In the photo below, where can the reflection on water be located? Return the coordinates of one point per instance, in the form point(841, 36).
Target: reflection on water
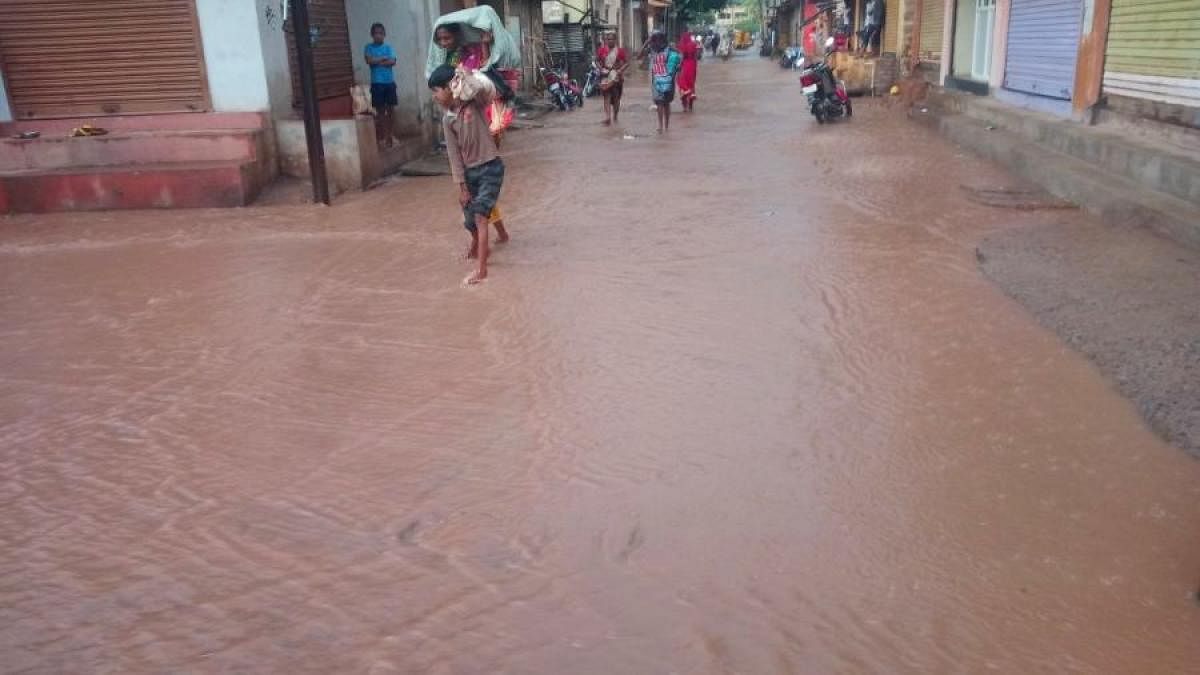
point(735, 400)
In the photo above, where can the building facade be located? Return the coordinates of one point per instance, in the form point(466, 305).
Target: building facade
point(1072, 58)
point(190, 69)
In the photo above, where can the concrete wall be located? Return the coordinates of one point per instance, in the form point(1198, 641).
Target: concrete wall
point(5, 110)
point(409, 26)
point(947, 38)
point(345, 151)
point(1000, 44)
point(275, 56)
point(233, 56)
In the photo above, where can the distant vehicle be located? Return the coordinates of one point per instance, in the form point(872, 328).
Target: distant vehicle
point(742, 39)
point(793, 57)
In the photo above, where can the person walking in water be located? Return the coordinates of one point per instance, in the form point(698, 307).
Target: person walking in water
point(474, 162)
point(381, 59)
point(664, 65)
point(690, 65)
point(474, 40)
point(613, 62)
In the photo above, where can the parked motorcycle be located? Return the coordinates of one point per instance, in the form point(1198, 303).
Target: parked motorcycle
point(574, 91)
point(827, 97)
point(565, 93)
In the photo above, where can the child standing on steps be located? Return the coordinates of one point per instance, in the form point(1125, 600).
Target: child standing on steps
point(381, 58)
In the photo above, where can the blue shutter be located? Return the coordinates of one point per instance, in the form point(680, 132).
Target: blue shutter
point(1043, 43)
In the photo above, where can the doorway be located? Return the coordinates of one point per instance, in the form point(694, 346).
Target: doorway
point(974, 28)
point(985, 23)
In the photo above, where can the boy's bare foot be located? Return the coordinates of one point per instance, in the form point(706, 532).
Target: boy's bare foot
point(501, 233)
point(606, 122)
point(475, 278)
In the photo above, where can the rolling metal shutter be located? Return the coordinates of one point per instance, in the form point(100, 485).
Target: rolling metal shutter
point(891, 26)
point(333, 59)
point(1154, 50)
point(63, 58)
point(1043, 44)
point(568, 47)
point(564, 37)
point(933, 25)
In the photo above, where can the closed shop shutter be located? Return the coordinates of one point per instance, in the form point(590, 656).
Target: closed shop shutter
point(1154, 51)
point(332, 57)
point(1043, 44)
point(64, 58)
point(933, 24)
point(567, 47)
point(891, 26)
point(566, 37)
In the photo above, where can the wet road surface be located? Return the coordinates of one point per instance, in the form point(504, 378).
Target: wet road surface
point(733, 401)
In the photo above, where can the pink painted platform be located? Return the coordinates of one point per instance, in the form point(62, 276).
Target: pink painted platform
point(144, 161)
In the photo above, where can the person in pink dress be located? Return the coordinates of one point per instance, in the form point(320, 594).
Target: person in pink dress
point(686, 80)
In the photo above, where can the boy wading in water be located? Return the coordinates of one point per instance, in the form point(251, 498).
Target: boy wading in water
point(474, 162)
point(382, 59)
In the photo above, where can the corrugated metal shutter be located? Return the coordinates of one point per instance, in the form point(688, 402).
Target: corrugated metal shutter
point(332, 57)
point(891, 26)
point(1154, 50)
point(86, 57)
point(1043, 44)
point(564, 37)
point(933, 24)
point(567, 46)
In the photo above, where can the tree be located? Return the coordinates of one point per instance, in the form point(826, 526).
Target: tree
point(689, 11)
point(754, 16)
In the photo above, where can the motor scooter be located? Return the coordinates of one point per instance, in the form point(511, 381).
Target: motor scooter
point(827, 97)
point(793, 57)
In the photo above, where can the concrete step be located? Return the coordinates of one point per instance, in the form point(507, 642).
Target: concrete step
point(1159, 165)
point(132, 147)
point(144, 186)
point(1113, 198)
point(162, 121)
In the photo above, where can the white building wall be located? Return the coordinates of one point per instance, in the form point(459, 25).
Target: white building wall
point(5, 110)
point(233, 55)
point(275, 56)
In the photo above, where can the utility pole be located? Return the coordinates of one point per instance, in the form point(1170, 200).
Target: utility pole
point(308, 94)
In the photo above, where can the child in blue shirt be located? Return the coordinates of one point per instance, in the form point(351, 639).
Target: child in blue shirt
point(382, 59)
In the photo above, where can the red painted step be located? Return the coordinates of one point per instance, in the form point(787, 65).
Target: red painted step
point(131, 147)
point(146, 186)
point(113, 123)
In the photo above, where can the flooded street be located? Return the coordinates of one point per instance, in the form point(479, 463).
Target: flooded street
point(735, 400)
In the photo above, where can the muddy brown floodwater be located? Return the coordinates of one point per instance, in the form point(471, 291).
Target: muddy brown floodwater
point(733, 401)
